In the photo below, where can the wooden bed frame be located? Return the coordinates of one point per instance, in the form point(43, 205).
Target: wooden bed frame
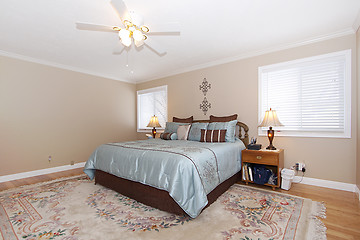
point(161, 199)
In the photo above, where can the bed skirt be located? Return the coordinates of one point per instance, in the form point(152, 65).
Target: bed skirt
point(154, 197)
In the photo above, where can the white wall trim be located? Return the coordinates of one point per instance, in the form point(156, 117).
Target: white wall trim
point(357, 190)
point(17, 176)
point(326, 183)
point(356, 23)
point(61, 66)
point(244, 55)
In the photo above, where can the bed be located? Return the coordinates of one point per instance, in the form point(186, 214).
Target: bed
point(181, 177)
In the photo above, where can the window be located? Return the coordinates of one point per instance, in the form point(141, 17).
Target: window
point(312, 96)
point(151, 102)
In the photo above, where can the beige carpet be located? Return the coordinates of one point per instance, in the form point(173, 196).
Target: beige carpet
point(75, 208)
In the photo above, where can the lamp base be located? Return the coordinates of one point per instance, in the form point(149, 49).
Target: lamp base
point(153, 132)
point(271, 147)
point(270, 134)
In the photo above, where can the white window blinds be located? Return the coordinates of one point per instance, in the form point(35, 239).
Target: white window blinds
point(151, 102)
point(311, 96)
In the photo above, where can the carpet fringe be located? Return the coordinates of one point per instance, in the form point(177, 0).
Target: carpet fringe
point(319, 209)
point(317, 229)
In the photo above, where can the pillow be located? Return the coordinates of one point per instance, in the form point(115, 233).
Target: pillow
point(229, 126)
point(195, 131)
point(168, 136)
point(183, 120)
point(213, 135)
point(223, 119)
point(183, 132)
point(171, 127)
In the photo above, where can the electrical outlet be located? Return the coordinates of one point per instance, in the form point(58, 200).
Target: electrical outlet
point(299, 166)
point(49, 158)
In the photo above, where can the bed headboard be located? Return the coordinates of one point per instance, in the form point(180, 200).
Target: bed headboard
point(242, 131)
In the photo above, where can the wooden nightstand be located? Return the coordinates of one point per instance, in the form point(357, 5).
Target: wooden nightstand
point(273, 160)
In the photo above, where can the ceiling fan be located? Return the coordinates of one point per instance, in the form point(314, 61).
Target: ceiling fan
point(133, 29)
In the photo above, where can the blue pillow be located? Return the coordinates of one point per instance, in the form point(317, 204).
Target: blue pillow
point(171, 127)
point(195, 131)
point(229, 126)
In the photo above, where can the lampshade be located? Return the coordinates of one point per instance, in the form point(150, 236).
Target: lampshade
point(271, 119)
point(154, 122)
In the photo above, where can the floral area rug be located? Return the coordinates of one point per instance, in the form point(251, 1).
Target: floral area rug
point(75, 208)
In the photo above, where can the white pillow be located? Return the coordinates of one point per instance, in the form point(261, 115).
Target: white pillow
point(183, 132)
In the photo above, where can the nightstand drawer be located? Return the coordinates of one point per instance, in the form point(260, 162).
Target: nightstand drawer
point(260, 157)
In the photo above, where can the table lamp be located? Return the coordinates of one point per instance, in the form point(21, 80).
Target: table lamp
point(154, 122)
point(270, 120)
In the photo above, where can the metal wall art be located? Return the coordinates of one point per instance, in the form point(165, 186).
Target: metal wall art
point(204, 87)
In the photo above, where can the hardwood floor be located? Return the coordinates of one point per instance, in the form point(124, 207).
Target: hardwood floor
point(41, 178)
point(342, 207)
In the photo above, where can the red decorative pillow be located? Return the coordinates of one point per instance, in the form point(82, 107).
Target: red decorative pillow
point(213, 135)
point(223, 119)
point(183, 120)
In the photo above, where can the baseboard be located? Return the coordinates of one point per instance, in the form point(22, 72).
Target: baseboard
point(325, 183)
point(357, 190)
point(16, 176)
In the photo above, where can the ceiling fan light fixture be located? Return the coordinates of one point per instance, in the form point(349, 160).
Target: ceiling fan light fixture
point(127, 23)
point(137, 35)
point(126, 41)
point(145, 29)
point(124, 33)
point(139, 43)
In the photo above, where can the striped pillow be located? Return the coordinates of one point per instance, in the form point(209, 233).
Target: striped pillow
point(168, 136)
point(213, 135)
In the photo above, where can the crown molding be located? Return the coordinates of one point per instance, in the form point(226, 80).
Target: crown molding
point(196, 67)
point(356, 24)
point(61, 66)
point(250, 54)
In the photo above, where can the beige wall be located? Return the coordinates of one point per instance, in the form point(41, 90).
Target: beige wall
point(234, 89)
point(49, 111)
point(358, 109)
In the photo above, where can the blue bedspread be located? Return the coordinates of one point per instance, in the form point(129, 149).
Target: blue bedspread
point(188, 170)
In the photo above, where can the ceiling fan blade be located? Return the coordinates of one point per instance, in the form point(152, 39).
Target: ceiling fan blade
point(94, 27)
point(121, 10)
point(171, 27)
point(154, 46)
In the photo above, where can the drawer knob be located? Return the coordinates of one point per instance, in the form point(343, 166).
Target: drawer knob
point(259, 157)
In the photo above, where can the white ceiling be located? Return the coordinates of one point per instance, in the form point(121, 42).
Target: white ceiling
point(212, 32)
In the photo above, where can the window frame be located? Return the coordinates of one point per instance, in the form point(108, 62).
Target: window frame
point(145, 91)
point(280, 131)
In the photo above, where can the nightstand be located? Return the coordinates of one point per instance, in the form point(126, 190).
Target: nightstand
point(272, 159)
